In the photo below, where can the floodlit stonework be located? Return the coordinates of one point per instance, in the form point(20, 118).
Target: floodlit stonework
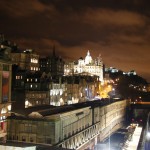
point(87, 65)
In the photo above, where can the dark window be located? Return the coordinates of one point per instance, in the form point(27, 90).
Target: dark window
point(49, 140)
point(23, 138)
point(31, 139)
point(6, 67)
point(69, 134)
point(65, 136)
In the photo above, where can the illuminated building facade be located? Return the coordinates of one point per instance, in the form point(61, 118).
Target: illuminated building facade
point(37, 88)
point(73, 89)
point(27, 60)
point(5, 89)
point(88, 65)
point(69, 126)
point(43, 89)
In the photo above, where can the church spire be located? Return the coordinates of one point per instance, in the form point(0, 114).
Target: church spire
point(88, 58)
point(88, 53)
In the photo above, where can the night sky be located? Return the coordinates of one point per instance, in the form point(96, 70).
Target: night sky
point(119, 30)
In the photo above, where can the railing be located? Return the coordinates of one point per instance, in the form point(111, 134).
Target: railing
point(83, 137)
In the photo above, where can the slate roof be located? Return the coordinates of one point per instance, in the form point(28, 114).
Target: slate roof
point(47, 110)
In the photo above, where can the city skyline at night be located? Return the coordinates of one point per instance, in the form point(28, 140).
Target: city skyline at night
point(119, 31)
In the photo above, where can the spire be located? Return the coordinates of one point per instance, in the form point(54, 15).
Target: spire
point(88, 53)
point(88, 58)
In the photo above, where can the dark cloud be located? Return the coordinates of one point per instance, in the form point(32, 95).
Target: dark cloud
point(118, 30)
point(25, 8)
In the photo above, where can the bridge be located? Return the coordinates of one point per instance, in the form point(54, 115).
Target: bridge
point(105, 120)
point(88, 137)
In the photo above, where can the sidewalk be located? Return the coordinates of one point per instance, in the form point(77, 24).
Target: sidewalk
point(133, 143)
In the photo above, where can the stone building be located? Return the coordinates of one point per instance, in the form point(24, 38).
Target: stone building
point(53, 64)
point(87, 65)
point(48, 126)
point(37, 88)
point(73, 89)
point(5, 89)
point(26, 60)
point(42, 88)
point(70, 126)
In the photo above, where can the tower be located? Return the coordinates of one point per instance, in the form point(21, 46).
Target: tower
point(88, 58)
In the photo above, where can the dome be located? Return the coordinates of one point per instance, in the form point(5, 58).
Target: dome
point(88, 58)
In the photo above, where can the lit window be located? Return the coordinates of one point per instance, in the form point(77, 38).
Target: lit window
point(27, 80)
point(9, 107)
point(3, 111)
point(31, 85)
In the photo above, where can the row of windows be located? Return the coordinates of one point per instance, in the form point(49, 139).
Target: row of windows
point(77, 126)
point(18, 77)
point(33, 60)
point(36, 86)
point(31, 86)
point(76, 131)
point(30, 79)
point(35, 68)
point(36, 95)
point(23, 138)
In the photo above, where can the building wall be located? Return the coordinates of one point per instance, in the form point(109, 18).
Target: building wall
point(5, 84)
point(52, 64)
point(26, 60)
point(56, 128)
point(4, 147)
point(38, 131)
point(50, 131)
point(5, 95)
point(88, 65)
point(33, 98)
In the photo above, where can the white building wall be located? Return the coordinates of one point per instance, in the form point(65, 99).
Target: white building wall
point(3, 147)
point(86, 65)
